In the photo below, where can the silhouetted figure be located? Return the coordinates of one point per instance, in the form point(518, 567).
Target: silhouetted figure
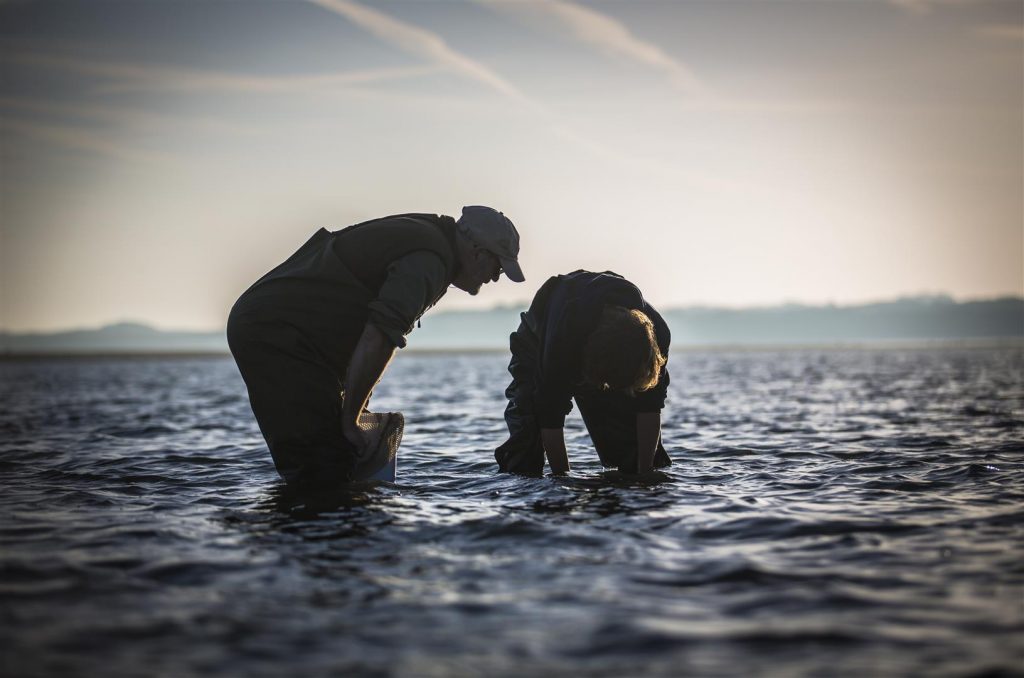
point(589, 337)
point(313, 336)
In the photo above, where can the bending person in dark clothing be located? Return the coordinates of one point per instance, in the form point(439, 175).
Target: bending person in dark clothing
point(589, 337)
point(313, 336)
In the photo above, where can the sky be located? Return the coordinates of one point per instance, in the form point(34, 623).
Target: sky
point(156, 157)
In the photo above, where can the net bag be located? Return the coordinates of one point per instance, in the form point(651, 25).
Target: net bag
point(379, 459)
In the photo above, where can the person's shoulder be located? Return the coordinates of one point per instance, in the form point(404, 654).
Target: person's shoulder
point(592, 282)
point(609, 287)
point(423, 261)
point(403, 219)
point(584, 276)
point(420, 216)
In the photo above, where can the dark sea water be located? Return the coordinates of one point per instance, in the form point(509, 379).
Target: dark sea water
point(829, 513)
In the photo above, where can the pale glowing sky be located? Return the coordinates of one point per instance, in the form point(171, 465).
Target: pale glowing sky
point(157, 157)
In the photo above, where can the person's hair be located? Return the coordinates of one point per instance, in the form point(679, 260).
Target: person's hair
point(622, 354)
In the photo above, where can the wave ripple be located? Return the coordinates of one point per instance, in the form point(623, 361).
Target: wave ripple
point(829, 512)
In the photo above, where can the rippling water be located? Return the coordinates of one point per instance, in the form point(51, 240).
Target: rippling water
point(828, 513)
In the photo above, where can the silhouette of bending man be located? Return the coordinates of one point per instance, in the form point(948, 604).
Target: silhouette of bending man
point(313, 336)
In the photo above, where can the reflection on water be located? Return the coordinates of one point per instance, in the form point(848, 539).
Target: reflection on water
point(828, 513)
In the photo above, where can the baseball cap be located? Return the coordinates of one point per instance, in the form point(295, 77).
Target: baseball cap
point(495, 232)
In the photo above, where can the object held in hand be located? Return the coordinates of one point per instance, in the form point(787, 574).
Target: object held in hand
point(379, 459)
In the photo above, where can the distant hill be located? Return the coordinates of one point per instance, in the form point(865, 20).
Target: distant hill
point(119, 338)
point(915, 318)
point(910, 319)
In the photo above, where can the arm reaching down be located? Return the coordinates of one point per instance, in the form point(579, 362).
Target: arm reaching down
point(648, 433)
point(414, 282)
point(553, 440)
point(372, 354)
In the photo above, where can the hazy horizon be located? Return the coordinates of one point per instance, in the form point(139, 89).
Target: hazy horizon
point(159, 157)
point(919, 321)
point(524, 304)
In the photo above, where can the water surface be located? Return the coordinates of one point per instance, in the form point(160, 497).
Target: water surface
point(829, 512)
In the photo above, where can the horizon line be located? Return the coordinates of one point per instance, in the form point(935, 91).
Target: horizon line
point(513, 306)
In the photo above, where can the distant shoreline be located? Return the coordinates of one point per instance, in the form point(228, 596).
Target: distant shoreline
point(930, 321)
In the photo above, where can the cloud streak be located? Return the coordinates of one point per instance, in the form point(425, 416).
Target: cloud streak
point(592, 27)
point(121, 117)
point(611, 36)
point(123, 77)
point(83, 140)
point(423, 44)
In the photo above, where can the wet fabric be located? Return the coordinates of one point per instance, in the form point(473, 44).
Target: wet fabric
point(293, 332)
point(546, 375)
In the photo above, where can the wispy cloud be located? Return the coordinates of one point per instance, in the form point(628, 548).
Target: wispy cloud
point(83, 140)
point(120, 116)
point(432, 47)
point(423, 44)
point(611, 36)
point(117, 76)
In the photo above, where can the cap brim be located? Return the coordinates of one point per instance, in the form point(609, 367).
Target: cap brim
point(512, 270)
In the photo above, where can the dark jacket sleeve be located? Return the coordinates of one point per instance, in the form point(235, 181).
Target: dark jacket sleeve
point(554, 388)
point(414, 283)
